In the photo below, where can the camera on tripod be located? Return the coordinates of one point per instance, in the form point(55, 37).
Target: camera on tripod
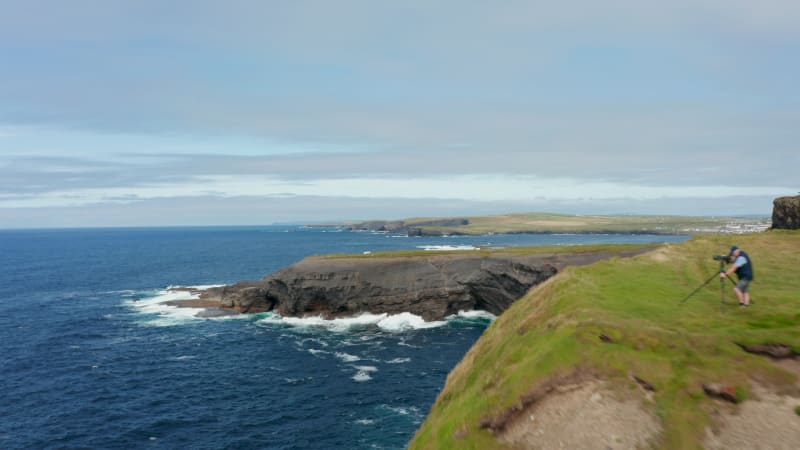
point(721, 258)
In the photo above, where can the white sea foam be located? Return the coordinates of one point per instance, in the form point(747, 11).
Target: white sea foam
point(398, 361)
point(337, 325)
point(474, 314)
point(403, 343)
point(124, 292)
point(200, 287)
point(386, 322)
point(361, 376)
point(296, 381)
point(365, 421)
point(346, 357)
point(165, 314)
point(313, 340)
point(403, 411)
point(447, 247)
point(392, 323)
point(407, 321)
point(363, 373)
point(316, 352)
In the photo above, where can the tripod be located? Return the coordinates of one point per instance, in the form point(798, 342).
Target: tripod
point(721, 285)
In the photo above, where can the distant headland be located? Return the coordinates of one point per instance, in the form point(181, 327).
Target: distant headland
point(560, 223)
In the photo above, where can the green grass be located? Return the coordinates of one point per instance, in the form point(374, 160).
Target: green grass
point(637, 302)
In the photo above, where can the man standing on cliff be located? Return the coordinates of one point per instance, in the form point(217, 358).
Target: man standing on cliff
point(743, 266)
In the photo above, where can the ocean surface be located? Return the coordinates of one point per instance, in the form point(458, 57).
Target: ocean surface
point(92, 358)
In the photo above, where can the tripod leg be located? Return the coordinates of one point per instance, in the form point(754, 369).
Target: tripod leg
point(700, 287)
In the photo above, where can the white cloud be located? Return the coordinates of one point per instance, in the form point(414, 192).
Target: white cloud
point(475, 188)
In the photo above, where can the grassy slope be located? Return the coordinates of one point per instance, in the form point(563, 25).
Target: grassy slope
point(674, 346)
point(561, 223)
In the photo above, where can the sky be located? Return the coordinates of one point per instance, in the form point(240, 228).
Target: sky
point(140, 113)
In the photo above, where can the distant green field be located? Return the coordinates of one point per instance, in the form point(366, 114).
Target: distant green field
point(637, 303)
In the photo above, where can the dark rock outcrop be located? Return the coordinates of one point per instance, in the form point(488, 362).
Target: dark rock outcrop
point(379, 225)
point(786, 213)
point(646, 385)
point(721, 391)
point(429, 286)
point(774, 350)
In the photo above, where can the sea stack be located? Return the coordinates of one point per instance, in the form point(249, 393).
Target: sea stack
point(786, 213)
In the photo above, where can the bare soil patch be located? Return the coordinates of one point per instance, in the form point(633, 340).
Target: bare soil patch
point(587, 415)
point(790, 364)
point(766, 421)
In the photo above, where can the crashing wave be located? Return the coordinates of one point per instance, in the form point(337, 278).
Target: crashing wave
point(387, 322)
point(447, 247)
point(159, 304)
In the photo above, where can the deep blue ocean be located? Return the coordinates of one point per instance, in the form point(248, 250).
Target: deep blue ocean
point(92, 359)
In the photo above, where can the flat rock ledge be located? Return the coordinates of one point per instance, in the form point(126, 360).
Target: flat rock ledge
point(432, 287)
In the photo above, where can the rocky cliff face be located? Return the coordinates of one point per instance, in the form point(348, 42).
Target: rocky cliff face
point(786, 213)
point(429, 286)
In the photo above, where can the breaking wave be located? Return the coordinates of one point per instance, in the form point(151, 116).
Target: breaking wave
point(386, 322)
point(447, 247)
point(157, 305)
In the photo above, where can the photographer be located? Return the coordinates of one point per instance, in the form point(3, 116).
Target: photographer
point(743, 266)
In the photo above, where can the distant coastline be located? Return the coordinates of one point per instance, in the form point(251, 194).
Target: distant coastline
point(546, 223)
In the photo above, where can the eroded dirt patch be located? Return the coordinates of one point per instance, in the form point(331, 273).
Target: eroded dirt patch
point(587, 415)
point(767, 421)
point(790, 364)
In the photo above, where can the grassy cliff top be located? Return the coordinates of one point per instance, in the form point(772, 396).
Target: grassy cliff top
point(636, 305)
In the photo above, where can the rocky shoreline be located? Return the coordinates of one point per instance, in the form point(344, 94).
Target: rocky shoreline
point(430, 286)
